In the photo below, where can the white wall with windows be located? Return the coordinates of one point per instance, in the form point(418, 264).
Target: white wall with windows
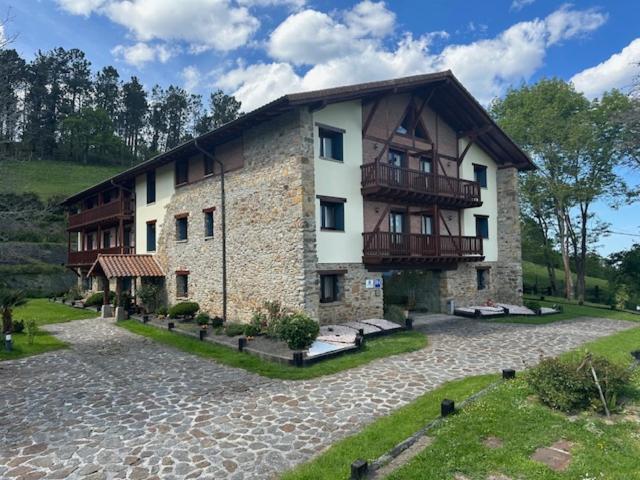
point(146, 212)
point(337, 161)
point(489, 196)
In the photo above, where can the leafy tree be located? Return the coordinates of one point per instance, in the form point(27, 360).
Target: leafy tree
point(107, 91)
point(134, 113)
point(12, 78)
point(626, 268)
point(223, 108)
point(9, 299)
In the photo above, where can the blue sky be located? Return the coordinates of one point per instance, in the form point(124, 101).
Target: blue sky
point(260, 49)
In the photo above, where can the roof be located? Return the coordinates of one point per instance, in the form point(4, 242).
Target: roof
point(124, 265)
point(452, 101)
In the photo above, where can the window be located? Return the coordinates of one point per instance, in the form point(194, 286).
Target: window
point(127, 237)
point(331, 144)
point(426, 166)
point(482, 278)
point(151, 236)
point(426, 226)
point(107, 196)
point(182, 225)
point(208, 223)
point(151, 186)
point(480, 175)
point(90, 245)
point(182, 284)
point(208, 166)
point(482, 226)
point(396, 222)
point(329, 288)
point(332, 214)
point(410, 122)
point(396, 158)
point(182, 172)
point(106, 239)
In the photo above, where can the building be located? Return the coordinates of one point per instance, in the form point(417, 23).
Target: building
point(330, 197)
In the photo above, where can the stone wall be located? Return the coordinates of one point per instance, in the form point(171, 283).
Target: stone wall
point(356, 302)
point(270, 226)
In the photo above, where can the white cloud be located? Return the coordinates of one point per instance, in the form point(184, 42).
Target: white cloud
point(566, 23)
point(486, 67)
point(191, 77)
point(520, 4)
point(618, 71)
point(141, 53)
point(271, 3)
point(203, 24)
point(311, 37)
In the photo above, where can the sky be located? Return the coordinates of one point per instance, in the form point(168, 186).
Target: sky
point(261, 49)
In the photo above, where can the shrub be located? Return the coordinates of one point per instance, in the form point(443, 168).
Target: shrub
point(73, 294)
point(96, 299)
point(32, 330)
point(233, 329)
point(298, 330)
point(203, 319)
point(217, 322)
point(621, 297)
point(184, 309)
point(18, 326)
point(149, 296)
point(535, 306)
point(568, 385)
point(254, 327)
point(395, 314)
point(161, 311)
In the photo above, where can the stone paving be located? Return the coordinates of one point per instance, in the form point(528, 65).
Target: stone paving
point(116, 405)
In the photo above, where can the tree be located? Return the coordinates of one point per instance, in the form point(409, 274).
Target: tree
point(157, 119)
point(77, 78)
point(12, 78)
point(176, 108)
point(9, 299)
point(107, 91)
point(626, 267)
point(223, 108)
point(134, 113)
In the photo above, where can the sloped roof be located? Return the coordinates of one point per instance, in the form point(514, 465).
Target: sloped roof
point(452, 101)
point(125, 265)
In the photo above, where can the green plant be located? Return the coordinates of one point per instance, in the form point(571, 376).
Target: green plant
point(184, 309)
point(531, 305)
point(9, 299)
point(234, 329)
point(217, 322)
point(621, 297)
point(124, 301)
point(32, 329)
point(161, 311)
point(149, 296)
point(254, 327)
point(203, 319)
point(568, 384)
point(97, 298)
point(394, 313)
point(298, 330)
point(18, 326)
point(73, 294)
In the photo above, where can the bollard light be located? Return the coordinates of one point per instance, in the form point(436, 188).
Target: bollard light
point(298, 359)
point(145, 318)
point(408, 323)
point(361, 332)
point(508, 374)
point(447, 407)
point(8, 342)
point(171, 326)
point(242, 342)
point(359, 469)
point(203, 333)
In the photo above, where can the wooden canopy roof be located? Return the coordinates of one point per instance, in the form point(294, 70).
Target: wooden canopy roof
point(123, 265)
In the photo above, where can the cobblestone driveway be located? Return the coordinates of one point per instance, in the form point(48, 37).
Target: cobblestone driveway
point(117, 405)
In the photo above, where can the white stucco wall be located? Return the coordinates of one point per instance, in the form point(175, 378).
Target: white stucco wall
point(489, 197)
point(152, 211)
point(341, 179)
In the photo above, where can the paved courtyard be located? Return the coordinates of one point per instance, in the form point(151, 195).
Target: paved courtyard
point(116, 405)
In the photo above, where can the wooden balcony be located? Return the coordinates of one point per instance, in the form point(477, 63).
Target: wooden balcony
point(101, 214)
point(416, 249)
point(87, 257)
point(381, 181)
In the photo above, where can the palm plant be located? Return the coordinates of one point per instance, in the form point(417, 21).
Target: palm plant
point(9, 299)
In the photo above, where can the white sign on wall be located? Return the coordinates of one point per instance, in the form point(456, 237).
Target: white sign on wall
point(368, 283)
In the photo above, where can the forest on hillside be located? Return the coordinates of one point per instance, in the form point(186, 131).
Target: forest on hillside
point(56, 107)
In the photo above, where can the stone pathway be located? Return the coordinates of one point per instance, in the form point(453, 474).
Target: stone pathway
point(117, 405)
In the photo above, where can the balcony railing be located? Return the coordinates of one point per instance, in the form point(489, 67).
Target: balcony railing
point(87, 257)
point(385, 247)
point(101, 213)
point(384, 181)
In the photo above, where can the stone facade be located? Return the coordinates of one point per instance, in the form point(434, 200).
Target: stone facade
point(356, 302)
point(269, 222)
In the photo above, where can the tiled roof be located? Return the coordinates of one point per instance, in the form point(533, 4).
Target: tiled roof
point(126, 266)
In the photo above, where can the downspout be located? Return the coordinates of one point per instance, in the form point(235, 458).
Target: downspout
point(224, 228)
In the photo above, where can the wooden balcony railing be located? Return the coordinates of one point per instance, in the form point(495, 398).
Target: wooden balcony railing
point(381, 247)
point(381, 180)
point(101, 213)
point(87, 257)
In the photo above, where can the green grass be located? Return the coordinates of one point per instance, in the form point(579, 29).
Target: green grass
point(44, 313)
point(49, 178)
point(570, 311)
point(532, 272)
point(385, 433)
point(376, 348)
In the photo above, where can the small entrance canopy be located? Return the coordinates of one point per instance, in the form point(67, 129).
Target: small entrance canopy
point(122, 265)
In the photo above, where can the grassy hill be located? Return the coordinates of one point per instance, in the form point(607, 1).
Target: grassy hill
point(49, 178)
point(534, 274)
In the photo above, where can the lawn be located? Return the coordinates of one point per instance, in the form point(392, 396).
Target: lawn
point(380, 347)
point(508, 413)
point(60, 178)
point(44, 313)
point(534, 274)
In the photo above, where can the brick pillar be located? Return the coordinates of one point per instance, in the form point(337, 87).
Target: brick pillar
point(509, 266)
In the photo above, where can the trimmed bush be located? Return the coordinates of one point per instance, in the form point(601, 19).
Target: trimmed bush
point(568, 385)
point(203, 319)
point(395, 314)
point(184, 309)
point(234, 329)
point(534, 306)
point(161, 311)
point(298, 330)
point(96, 299)
point(217, 322)
point(18, 326)
point(149, 296)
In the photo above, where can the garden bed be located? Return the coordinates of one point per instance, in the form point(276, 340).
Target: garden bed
point(502, 310)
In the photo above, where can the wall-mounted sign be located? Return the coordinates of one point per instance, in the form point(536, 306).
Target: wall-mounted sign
point(377, 283)
point(368, 283)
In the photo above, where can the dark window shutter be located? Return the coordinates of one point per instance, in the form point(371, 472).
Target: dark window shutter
point(339, 208)
point(337, 146)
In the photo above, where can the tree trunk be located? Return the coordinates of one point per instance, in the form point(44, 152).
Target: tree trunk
point(7, 321)
point(582, 270)
point(548, 259)
point(564, 247)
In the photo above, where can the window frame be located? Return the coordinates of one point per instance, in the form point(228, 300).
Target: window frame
point(182, 219)
point(482, 278)
point(206, 212)
point(151, 191)
point(482, 218)
point(336, 291)
point(152, 224)
point(337, 204)
point(423, 224)
point(182, 274)
point(426, 160)
point(337, 147)
point(485, 170)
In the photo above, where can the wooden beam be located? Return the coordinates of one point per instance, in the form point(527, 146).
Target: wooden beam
point(476, 132)
point(466, 150)
point(367, 122)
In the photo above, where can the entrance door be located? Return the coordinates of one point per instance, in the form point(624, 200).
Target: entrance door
point(399, 244)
